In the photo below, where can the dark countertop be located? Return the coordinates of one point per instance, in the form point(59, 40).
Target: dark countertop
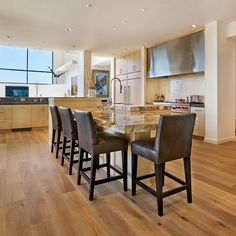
point(23, 100)
point(170, 103)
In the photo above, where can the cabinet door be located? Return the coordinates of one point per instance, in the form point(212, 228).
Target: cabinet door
point(37, 115)
point(118, 66)
point(134, 92)
point(21, 116)
point(5, 117)
point(45, 115)
point(199, 128)
point(137, 61)
point(130, 63)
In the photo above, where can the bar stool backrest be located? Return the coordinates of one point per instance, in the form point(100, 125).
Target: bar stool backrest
point(68, 124)
point(174, 137)
point(88, 136)
point(56, 119)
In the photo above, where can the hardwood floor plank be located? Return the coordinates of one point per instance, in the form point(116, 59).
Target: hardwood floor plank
point(38, 197)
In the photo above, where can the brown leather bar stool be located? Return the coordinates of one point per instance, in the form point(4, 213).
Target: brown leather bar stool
point(56, 128)
point(69, 134)
point(173, 141)
point(95, 144)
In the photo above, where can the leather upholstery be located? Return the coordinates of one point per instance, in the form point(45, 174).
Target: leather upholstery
point(68, 123)
point(173, 139)
point(56, 119)
point(93, 142)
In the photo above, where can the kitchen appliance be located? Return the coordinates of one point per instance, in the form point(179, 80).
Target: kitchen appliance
point(181, 107)
point(196, 99)
point(177, 57)
point(17, 91)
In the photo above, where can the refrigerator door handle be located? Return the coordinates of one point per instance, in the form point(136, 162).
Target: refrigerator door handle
point(129, 94)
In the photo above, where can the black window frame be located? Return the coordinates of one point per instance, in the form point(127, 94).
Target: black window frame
point(27, 70)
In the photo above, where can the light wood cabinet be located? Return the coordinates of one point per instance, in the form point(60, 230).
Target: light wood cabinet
point(45, 115)
point(199, 128)
point(5, 117)
point(21, 116)
point(128, 64)
point(131, 92)
point(39, 115)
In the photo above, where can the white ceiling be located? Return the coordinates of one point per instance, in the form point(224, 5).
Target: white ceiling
point(30, 22)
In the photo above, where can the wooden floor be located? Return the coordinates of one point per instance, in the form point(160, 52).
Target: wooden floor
point(37, 197)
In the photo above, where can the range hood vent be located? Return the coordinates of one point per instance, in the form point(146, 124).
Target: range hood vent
point(185, 55)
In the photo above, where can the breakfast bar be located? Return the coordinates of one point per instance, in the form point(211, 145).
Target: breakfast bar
point(131, 123)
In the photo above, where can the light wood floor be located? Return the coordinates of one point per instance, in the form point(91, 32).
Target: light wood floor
point(37, 197)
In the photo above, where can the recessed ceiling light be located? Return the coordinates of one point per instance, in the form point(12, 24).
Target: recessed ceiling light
point(194, 26)
point(144, 9)
point(114, 28)
point(89, 5)
point(124, 22)
point(68, 29)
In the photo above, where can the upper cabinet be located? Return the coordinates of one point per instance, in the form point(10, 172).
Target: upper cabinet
point(128, 64)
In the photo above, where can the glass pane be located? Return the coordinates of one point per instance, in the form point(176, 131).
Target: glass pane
point(39, 78)
point(39, 60)
point(10, 76)
point(13, 58)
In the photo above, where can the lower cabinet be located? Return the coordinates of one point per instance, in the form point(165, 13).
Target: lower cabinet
point(39, 115)
point(199, 128)
point(23, 116)
point(5, 117)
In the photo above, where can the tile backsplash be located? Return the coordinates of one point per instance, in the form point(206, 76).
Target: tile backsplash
point(176, 87)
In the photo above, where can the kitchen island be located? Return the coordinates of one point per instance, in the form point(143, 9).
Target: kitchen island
point(131, 123)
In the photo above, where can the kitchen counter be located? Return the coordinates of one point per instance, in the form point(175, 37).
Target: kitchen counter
point(23, 100)
point(128, 122)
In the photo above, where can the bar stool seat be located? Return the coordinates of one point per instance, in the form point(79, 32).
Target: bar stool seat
point(109, 142)
point(145, 148)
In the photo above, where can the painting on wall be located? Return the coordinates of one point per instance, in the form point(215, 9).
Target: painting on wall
point(74, 85)
point(101, 78)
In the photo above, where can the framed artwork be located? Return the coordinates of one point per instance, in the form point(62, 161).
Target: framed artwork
point(101, 78)
point(74, 85)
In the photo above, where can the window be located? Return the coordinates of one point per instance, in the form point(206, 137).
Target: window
point(21, 65)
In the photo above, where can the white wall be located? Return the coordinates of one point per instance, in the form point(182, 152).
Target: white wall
point(220, 84)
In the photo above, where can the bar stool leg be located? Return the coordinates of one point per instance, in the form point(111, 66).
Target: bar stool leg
point(53, 139)
point(124, 167)
point(163, 174)
point(108, 157)
point(93, 176)
point(63, 150)
point(159, 181)
point(72, 150)
point(58, 142)
point(187, 170)
point(134, 172)
point(80, 164)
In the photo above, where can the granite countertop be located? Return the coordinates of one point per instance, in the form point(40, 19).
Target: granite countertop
point(127, 122)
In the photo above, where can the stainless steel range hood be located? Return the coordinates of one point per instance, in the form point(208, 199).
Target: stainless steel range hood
point(180, 56)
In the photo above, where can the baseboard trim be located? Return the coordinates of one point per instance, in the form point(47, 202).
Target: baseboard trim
point(219, 141)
